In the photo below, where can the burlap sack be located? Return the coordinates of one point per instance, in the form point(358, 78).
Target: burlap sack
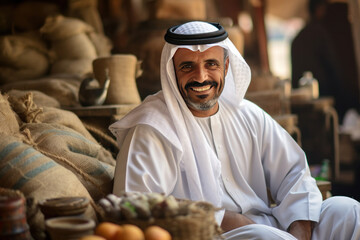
point(74, 47)
point(39, 98)
point(38, 177)
point(102, 44)
point(22, 57)
point(65, 118)
point(64, 90)
point(78, 67)
point(122, 73)
point(8, 121)
point(60, 27)
point(30, 112)
point(84, 158)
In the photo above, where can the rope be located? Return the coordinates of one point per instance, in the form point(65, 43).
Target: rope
point(29, 140)
point(31, 109)
point(100, 133)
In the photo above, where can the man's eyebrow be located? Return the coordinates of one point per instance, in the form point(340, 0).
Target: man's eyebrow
point(213, 60)
point(185, 63)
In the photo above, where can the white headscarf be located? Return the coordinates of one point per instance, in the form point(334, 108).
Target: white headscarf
point(200, 163)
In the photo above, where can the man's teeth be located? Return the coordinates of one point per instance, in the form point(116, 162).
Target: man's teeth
point(201, 89)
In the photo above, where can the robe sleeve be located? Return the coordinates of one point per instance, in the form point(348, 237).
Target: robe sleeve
point(145, 163)
point(288, 176)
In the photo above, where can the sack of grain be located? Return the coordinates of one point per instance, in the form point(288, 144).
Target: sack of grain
point(64, 90)
point(79, 67)
point(30, 112)
point(102, 44)
point(24, 168)
point(84, 158)
point(39, 98)
point(22, 57)
point(74, 47)
point(60, 27)
point(8, 120)
point(70, 44)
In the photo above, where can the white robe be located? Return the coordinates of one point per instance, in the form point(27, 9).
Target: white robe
point(256, 155)
point(164, 149)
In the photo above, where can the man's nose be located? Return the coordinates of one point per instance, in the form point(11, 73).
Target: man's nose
point(201, 74)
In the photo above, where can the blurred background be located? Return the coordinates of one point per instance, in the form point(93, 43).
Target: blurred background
point(304, 56)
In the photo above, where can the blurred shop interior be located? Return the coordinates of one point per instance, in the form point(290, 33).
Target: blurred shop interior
point(304, 56)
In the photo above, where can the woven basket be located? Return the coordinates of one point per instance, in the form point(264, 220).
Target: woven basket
point(198, 224)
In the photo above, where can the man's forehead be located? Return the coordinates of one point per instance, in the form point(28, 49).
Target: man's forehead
point(185, 52)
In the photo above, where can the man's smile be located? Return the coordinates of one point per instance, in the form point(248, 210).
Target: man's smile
point(201, 89)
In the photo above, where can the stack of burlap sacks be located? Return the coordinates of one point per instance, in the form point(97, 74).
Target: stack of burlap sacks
point(55, 57)
point(46, 152)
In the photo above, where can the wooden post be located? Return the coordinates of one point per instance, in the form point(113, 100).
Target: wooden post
point(354, 7)
point(259, 13)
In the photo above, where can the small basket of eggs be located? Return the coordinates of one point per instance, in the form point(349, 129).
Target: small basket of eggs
point(183, 219)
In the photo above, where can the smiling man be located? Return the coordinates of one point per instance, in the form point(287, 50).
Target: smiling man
point(200, 139)
point(200, 78)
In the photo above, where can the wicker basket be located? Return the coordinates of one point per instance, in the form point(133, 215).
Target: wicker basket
point(198, 224)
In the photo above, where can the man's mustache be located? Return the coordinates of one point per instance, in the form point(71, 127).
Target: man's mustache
point(197, 84)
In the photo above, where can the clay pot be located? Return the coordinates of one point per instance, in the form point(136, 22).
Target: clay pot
point(13, 223)
point(64, 206)
point(69, 228)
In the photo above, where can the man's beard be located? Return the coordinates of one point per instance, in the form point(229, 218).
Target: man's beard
point(203, 106)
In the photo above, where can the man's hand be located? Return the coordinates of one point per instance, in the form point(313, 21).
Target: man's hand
point(234, 220)
point(301, 229)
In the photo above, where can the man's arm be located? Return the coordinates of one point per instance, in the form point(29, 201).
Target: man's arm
point(145, 163)
point(234, 220)
point(301, 229)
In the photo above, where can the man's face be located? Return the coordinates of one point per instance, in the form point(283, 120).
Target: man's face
point(201, 78)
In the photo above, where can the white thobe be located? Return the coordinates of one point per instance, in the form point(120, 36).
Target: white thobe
point(256, 155)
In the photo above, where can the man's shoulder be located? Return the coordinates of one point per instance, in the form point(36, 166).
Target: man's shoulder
point(152, 110)
point(249, 108)
point(151, 113)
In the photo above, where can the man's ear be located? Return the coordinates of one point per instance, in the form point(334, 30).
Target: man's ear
point(226, 65)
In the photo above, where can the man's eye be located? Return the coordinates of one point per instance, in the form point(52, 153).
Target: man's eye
point(212, 65)
point(186, 68)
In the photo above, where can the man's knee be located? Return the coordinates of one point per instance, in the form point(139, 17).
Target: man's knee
point(340, 207)
point(335, 212)
point(257, 231)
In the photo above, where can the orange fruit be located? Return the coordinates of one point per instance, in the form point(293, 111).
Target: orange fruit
point(129, 232)
point(156, 233)
point(92, 237)
point(107, 230)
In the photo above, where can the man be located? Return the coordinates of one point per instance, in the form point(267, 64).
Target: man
point(199, 139)
point(325, 47)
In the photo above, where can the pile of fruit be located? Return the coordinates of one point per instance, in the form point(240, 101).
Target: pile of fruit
point(135, 205)
point(182, 219)
point(112, 231)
